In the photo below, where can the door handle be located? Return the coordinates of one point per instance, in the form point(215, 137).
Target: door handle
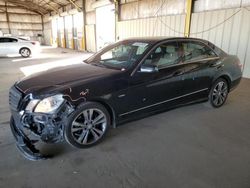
point(217, 64)
point(178, 72)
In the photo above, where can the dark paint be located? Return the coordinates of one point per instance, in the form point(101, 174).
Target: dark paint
point(127, 94)
point(125, 91)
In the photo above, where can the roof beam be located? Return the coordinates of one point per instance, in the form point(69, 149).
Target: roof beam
point(29, 5)
point(47, 3)
point(7, 17)
point(56, 2)
point(76, 6)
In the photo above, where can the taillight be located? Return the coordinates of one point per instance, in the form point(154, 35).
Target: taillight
point(239, 65)
point(35, 42)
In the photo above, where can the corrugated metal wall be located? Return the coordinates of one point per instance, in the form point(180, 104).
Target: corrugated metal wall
point(90, 26)
point(150, 8)
point(229, 29)
point(225, 23)
point(90, 39)
point(158, 26)
point(22, 22)
point(47, 30)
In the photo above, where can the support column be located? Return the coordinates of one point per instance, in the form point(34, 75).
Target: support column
point(64, 33)
point(74, 35)
point(189, 10)
point(117, 6)
point(7, 17)
point(84, 26)
point(43, 33)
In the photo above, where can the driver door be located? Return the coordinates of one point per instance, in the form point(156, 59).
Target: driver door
point(158, 81)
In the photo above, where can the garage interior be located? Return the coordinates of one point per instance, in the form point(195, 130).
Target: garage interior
point(192, 146)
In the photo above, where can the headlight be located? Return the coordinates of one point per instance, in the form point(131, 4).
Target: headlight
point(31, 105)
point(47, 105)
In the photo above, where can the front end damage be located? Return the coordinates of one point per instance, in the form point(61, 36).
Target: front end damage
point(29, 127)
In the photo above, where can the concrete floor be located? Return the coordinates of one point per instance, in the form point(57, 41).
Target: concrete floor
point(189, 147)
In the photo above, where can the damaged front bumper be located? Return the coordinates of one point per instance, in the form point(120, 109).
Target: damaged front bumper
point(48, 128)
point(24, 144)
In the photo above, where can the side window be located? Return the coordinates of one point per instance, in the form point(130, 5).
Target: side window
point(3, 40)
point(164, 55)
point(6, 39)
point(12, 40)
point(192, 51)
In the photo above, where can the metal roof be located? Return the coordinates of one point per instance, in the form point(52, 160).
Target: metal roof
point(41, 6)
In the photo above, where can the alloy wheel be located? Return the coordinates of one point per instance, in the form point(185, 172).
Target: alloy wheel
point(89, 126)
point(25, 52)
point(220, 93)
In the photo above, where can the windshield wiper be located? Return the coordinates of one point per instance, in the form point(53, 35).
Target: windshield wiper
point(98, 65)
point(104, 65)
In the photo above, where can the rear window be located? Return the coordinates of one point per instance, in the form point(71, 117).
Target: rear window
point(23, 39)
point(217, 50)
point(193, 50)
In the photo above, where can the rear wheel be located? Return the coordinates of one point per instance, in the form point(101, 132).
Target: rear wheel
point(218, 93)
point(87, 125)
point(25, 52)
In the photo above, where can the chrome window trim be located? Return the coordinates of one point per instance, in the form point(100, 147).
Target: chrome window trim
point(190, 62)
point(162, 102)
point(175, 40)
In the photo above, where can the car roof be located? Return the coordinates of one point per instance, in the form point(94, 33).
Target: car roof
point(159, 39)
point(9, 37)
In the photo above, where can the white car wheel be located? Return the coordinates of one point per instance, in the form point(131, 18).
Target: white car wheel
point(25, 52)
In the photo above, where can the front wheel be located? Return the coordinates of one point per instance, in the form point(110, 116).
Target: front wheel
point(218, 93)
point(87, 125)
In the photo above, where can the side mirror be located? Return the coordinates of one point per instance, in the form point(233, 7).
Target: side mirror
point(148, 68)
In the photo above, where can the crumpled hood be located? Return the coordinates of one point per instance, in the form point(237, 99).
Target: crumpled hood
point(63, 77)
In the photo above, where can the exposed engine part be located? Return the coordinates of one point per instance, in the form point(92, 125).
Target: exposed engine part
point(49, 127)
point(45, 127)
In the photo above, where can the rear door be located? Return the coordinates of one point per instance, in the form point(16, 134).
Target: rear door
point(197, 59)
point(13, 46)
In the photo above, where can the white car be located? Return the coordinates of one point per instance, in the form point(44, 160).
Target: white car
point(15, 45)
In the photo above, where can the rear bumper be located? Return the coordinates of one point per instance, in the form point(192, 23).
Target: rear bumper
point(235, 83)
point(36, 50)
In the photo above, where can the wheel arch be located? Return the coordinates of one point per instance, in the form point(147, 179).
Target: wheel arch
point(224, 76)
point(23, 48)
point(228, 79)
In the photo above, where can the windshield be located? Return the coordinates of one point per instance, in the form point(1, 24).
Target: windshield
point(120, 56)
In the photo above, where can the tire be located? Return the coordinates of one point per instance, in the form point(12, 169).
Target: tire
point(87, 126)
point(218, 93)
point(25, 52)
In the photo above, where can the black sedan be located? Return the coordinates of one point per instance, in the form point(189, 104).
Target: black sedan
point(127, 80)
